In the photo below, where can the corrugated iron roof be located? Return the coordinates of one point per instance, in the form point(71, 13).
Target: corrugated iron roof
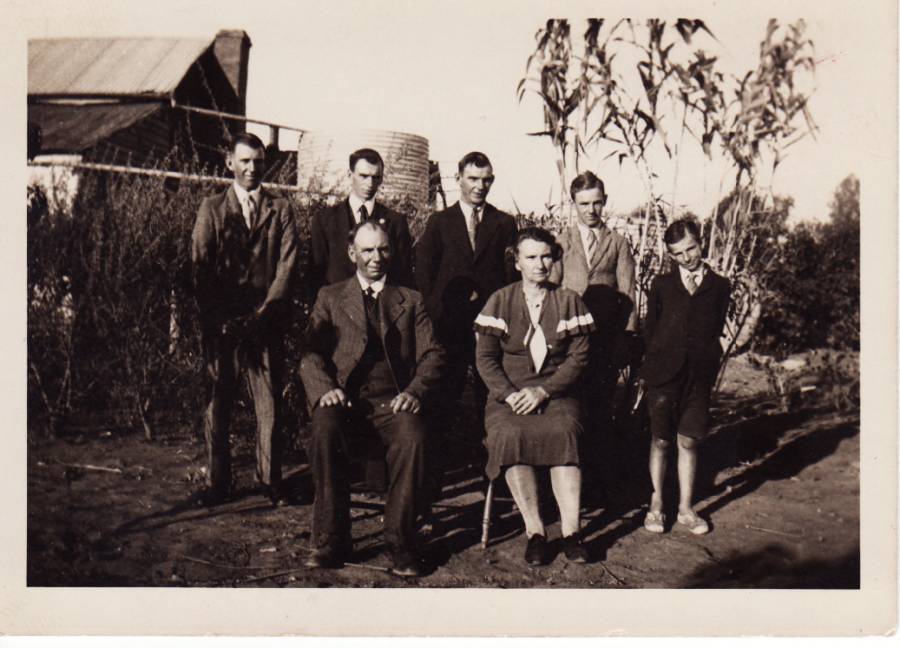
point(110, 66)
point(72, 128)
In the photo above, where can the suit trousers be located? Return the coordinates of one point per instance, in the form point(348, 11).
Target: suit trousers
point(262, 362)
point(446, 408)
point(403, 434)
point(599, 386)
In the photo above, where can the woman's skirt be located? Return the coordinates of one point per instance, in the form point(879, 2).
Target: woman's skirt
point(546, 439)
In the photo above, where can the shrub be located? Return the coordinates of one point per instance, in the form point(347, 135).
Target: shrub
point(112, 321)
point(812, 290)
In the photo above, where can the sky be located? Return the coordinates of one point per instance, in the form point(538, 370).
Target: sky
point(448, 71)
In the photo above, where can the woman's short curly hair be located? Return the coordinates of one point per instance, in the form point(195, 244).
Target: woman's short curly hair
point(539, 234)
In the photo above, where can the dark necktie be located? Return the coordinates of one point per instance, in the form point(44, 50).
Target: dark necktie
point(363, 214)
point(371, 301)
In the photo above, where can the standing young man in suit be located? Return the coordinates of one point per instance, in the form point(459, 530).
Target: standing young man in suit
point(686, 312)
point(597, 264)
point(244, 255)
point(460, 261)
point(329, 229)
point(369, 361)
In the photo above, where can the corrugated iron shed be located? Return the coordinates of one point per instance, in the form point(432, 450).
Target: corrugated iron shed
point(110, 66)
point(71, 128)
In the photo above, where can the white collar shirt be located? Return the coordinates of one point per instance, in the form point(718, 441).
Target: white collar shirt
point(696, 275)
point(356, 203)
point(376, 286)
point(243, 197)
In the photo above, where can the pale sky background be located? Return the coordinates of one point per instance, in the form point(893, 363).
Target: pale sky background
point(448, 71)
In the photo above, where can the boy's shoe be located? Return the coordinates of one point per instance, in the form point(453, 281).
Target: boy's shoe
point(655, 521)
point(694, 523)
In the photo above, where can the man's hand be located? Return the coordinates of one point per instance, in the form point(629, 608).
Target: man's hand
point(404, 402)
point(525, 401)
point(333, 398)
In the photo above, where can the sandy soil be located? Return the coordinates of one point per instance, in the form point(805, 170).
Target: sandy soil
point(781, 489)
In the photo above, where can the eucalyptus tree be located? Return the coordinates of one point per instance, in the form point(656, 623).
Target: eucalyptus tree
point(633, 90)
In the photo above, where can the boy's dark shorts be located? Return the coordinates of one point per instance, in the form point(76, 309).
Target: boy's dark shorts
point(680, 406)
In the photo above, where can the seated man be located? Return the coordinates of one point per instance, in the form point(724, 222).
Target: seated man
point(369, 362)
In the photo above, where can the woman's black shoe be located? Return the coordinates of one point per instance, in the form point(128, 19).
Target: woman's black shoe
point(573, 549)
point(536, 551)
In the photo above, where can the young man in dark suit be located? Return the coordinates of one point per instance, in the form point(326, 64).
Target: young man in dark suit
point(686, 312)
point(329, 229)
point(460, 261)
point(244, 256)
point(369, 361)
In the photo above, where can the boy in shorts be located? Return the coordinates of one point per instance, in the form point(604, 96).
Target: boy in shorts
point(686, 312)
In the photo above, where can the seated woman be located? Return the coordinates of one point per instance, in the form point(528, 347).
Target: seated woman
point(531, 351)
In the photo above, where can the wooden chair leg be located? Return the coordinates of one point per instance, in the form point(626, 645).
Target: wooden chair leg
point(486, 518)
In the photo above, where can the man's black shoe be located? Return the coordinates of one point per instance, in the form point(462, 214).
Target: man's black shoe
point(406, 562)
point(327, 557)
point(574, 551)
point(211, 497)
point(536, 550)
point(278, 496)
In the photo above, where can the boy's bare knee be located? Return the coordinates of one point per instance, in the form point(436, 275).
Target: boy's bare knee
point(687, 442)
point(662, 444)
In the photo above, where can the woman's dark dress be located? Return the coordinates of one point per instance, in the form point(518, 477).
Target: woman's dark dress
point(549, 436)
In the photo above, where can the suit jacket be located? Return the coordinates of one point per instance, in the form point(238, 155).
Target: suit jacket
point(337, 335)
point(681, 327)
point(329, 261)
point(237, 271)
point(605, 283)
point(457, 281)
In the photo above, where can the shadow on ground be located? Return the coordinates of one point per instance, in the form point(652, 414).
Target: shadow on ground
point(91, 528)
point(776, 566)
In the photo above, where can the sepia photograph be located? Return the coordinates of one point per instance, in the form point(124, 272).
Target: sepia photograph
point(474, 302)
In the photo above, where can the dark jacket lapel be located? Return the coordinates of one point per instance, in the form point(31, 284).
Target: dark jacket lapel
point(486, 229)
point(265, 212)
point(602, 246)
point(392, 308)
point(456, 228)
point(381, 215)
point(345, 221)
point(352, 304)
point(705, 285)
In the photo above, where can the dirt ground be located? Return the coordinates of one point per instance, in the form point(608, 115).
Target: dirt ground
point(779, 485)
